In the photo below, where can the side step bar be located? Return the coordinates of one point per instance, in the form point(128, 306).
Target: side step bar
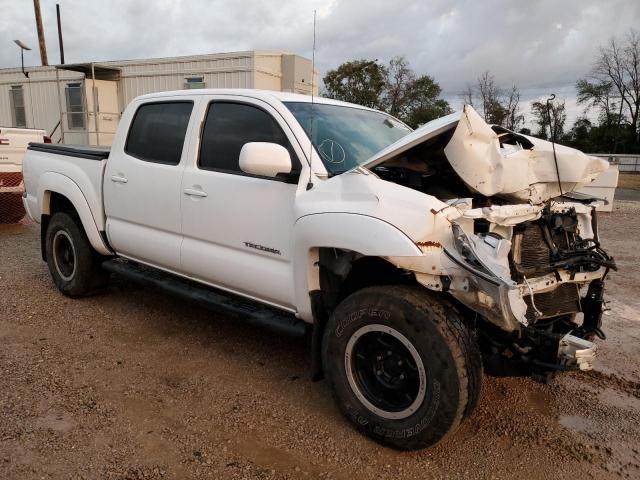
point(254, 313)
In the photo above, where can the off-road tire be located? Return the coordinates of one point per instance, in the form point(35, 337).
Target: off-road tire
point(86, 277)
point(446, 346)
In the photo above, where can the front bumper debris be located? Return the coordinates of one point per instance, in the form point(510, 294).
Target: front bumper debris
point(576, 351)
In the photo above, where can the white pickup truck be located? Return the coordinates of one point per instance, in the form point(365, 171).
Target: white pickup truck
point(414, 259)
point(13, 145)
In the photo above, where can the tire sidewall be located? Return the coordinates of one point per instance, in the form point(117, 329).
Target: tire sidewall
point(83, 253)
point(440, 408)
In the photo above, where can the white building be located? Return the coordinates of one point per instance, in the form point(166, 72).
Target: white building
point(62, 99)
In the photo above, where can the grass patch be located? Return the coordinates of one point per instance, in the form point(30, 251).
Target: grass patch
point(630, 181)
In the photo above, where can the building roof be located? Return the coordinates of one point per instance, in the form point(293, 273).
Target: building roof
point(93, 70)
point(155, 60)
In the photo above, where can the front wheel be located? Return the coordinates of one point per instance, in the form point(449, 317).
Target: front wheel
point(403, 367)
point(73, 263)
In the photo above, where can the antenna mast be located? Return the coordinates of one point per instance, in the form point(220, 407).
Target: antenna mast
point(313, 75)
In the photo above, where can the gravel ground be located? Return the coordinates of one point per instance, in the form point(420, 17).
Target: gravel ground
point(131, 384)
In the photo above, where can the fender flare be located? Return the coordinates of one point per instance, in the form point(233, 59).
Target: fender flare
point(360, 233)
point(52, 182)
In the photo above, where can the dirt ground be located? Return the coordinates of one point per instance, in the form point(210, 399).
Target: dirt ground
point(629, 181)
point(628, 187)
point(131, 384)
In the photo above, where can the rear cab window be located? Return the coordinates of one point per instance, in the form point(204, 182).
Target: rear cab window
point(229, 126)
point(158, 131)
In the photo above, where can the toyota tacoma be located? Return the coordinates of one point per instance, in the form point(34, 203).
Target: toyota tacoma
point(414, 260)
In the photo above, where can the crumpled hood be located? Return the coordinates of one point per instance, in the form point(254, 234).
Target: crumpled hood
point(494, 161)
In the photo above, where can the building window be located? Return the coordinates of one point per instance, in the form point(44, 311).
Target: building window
point(75, 106)
point(17, 106)
point(194, 82)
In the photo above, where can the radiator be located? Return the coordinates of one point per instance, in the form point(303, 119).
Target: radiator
point(564, 299)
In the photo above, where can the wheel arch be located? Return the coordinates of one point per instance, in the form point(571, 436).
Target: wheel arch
point(363, 235)
point(58, 192)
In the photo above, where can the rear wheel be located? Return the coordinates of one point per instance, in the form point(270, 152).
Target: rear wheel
point(402, 365)
point(73, 263)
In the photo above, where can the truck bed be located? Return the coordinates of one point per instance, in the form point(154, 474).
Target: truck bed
point(79, 151)
point(79, 168)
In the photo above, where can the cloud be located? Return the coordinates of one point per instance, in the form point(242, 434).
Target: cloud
point(540, 46)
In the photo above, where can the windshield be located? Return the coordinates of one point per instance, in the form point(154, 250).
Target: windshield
point(346, 137)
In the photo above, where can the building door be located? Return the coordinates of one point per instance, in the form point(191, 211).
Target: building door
point(104, 94)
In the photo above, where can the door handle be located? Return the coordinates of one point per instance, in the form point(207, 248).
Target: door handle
point(194, 193)
point(118, 179)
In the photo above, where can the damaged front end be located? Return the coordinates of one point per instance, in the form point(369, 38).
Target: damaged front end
point(511, 244)
point(540, 281)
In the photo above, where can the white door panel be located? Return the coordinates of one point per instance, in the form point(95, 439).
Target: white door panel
point(236, 227)
point(238, 236)
point(142, 203)
point(248, 273)
point(142, 197)
point(145, 243)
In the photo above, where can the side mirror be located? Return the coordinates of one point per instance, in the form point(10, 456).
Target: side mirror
point(265, 159)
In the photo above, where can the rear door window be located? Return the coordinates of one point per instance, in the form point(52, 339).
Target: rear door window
point(158, 131)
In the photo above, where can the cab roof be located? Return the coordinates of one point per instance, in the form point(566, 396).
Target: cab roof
point(253, 93)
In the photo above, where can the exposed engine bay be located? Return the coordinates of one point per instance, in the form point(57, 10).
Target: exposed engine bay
point(559, 268)
point(523, 251)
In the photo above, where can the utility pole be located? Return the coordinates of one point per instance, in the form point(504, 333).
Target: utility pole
point(60, 34)
point(41, 41)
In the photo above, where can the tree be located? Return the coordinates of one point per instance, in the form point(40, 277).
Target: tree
point(549, 118)
point(395, 89)
point(600, 95)
point(489, 94)
point(616, 75)
point(467, 95)
point(496, 105)
point(399, 81)
point(597, 94)
point(414, 100)
point(513, 117)
point(581, 135)
point(596, 138)
point(423, 102)
point(359, 81)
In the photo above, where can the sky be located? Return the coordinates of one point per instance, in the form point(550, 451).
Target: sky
point(541, 46)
